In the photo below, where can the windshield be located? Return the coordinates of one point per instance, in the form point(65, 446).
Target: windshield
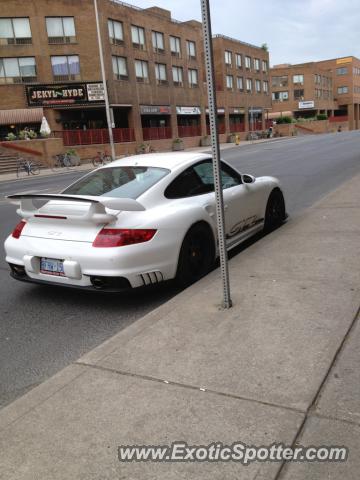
point(120, 182)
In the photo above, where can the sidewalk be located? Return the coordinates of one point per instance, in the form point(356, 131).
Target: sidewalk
point(281, 366)
point(85, 167)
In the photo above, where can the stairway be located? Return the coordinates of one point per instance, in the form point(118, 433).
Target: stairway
point(8, 162)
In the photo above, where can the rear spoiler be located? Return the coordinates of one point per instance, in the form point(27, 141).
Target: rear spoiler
point(97, 210)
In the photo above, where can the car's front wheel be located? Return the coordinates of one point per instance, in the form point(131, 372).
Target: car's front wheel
point(275, 213)
point(197, 255)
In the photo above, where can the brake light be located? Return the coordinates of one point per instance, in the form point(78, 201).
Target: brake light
point(18, 229)
point(119, 237)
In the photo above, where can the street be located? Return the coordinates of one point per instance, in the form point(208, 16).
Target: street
point(43, 329)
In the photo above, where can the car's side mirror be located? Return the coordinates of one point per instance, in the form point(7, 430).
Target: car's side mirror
point(248, 178)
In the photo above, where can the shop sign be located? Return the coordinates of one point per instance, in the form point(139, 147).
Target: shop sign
point(63, 94)
point(220, 111)
point(239, 110)
point(155, 110)
point(307, 104)
point(253, 110)
point(188, 110)
point(343, 60)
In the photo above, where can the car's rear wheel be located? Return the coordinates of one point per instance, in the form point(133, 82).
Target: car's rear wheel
point(275, 213)
point(197, 255)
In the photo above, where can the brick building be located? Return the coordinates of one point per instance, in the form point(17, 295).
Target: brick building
point(49, 65)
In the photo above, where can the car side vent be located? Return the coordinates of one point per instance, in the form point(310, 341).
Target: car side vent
point(151, 278)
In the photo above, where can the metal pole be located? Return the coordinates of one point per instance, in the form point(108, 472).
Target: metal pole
point(106, 97)
point(220, 216)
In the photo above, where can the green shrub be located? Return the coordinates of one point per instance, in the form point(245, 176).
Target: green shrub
point(321, 116)
point(281, 120)
point(11, 136)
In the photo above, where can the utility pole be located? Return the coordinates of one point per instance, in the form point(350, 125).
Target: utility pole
point(220, 215)
point(106, 97)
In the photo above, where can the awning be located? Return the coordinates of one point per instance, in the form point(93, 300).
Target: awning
point(272, 115)
point(21, 115)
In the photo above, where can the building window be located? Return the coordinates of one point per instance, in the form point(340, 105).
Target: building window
point(15, 31)
point(116, 32)
point(17, 70)
point(248, 85)
point(258, 86)
point(356, 71)
point(141, 71)
point(175, 47)
point(342, 90)
point(264, 64)
point(299, 94)
point(281, 81)
point(193, 77)
point(66, 67)
point(138, 37)
point(120, 68)
point(61, 29)
point(240, 83)
point(177, 73)
point(317, 79)
point(228, 58)
point(298, 79)
point(238, 60)
point(280, 96)
point(248, 63)
point(266, 87)
point(257, 64)
point(229, 82)
point(191, 49)
point(158, 42)
point(160, 74)
point(342, 71)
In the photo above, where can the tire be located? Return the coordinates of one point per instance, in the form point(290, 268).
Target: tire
point(34, 169)
point(275, 213)
point(197, 255)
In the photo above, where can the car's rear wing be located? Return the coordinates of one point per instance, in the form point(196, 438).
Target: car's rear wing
point(95, 214)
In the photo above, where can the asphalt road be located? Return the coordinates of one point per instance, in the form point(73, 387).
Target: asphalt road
point(42, 329)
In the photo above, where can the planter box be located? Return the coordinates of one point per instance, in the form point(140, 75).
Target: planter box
point(205, 142)
point(178, 146)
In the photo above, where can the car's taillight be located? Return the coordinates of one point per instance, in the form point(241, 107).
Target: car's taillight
point(119, 237)
point(18, 229)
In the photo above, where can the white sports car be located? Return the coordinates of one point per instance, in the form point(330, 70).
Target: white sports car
point(138, 221)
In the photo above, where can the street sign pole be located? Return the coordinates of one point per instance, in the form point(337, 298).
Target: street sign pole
point(220, 216)
point(106, 97)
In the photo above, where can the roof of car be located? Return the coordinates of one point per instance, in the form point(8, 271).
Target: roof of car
point(170, 160)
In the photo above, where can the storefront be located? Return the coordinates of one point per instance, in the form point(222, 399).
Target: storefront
point(306, 109)
point(189, 121)
point(14, 122)
point(255, 118)
point(156, 121)
point(220, 118)
point(237, 119)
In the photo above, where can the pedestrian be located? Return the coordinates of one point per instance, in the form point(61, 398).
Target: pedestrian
point(339, 129)
point(270, 132)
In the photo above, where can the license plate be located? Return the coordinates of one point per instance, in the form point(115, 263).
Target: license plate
point(52, 266)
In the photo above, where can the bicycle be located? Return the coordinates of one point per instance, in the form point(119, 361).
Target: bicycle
point(102, 158)
point(27, 166)
point(62, 160)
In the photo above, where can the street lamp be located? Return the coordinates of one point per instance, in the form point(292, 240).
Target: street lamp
point(220, 216)
point(106, 97)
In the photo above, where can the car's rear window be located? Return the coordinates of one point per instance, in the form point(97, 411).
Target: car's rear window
point(120, 182)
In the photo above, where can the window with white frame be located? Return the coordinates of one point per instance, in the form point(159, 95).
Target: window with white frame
point(17, 70)
point(158, 42)
point(266, 87)
point(229, 82)
point(342, 90)
point(61, 29)
point(120, 69)
point(238, 60)
point(248, 62)
point(116, 32)
point(248, 85)
point(191, 49)
point(138, 37)
point(141, 71)
point(228, 58)
point(298, 79)
point(65, 67)
point(175, 46)
point(258, 86)
point(240, 83)
point(161, 74)
point(177, 74)
point(257, 64)
point(193, 77)
point(281, 81)
point(264, 64)
point(280, 96)
point(15, 31)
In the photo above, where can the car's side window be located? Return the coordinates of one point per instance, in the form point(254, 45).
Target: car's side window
point(229, 177)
